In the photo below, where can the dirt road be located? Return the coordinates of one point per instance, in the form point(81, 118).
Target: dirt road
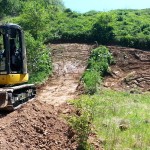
point(69, 63)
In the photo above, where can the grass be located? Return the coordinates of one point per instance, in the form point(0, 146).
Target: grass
point(121, 119)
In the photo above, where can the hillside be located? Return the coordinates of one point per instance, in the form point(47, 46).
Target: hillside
point(57, 70)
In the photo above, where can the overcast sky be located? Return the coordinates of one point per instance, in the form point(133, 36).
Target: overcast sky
point(105, 5)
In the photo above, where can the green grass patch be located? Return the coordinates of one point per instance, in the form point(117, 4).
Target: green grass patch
point(120, 119)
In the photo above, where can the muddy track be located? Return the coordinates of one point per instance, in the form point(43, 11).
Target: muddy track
point(69, 63)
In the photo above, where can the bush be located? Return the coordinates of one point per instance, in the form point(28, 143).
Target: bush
point(39, 59)
point(39, 56)
point(141, 42)
point(91, 81)
point(98, 64)
point(102, 31)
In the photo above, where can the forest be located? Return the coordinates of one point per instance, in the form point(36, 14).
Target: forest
point(49, 21)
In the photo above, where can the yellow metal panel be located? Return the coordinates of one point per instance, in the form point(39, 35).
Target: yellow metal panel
point(13, 79)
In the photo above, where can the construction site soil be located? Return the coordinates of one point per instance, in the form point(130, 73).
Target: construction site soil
point(39, 125)
point(130, 71)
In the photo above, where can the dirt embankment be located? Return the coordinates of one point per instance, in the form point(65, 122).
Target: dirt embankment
point(131, 70)
point(35, 126)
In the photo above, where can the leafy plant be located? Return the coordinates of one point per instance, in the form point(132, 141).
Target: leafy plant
point(102, 31)
point(98, 64)
point(82, 121)
point(39, 56)
point(91, 79)
point(39, 59)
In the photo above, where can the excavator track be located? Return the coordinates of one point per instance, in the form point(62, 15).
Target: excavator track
point(11, 98)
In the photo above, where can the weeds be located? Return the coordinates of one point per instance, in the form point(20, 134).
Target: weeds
point(82, 121)
point(121, 119)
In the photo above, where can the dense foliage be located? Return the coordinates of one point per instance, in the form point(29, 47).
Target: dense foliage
point(98, 65)
point(123, 27)
point(132, 28)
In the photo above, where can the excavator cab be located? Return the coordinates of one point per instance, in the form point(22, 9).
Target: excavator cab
point(14, 91)
point(13, 64)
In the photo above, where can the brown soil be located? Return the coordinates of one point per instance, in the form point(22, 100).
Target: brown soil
point(69, 63)
point(131, 70)
point(38, 125)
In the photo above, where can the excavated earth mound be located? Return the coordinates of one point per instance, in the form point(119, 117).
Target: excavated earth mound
point(35, 126)
point(131, 70)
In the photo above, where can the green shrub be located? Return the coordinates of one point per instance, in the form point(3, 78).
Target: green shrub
point(39, 59)
point(82, 121)
point(98, 64)
point(102, 31)
point(39, 56)
point(91, 81)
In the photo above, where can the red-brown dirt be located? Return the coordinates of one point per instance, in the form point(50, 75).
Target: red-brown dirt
point(131, 70)
point(38, 125)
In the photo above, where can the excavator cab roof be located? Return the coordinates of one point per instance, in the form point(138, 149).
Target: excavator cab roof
point(9, 28)
point(10, 25)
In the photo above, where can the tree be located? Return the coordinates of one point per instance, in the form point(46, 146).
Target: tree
point(34, 18)
point(10, 7)
point(102, 31)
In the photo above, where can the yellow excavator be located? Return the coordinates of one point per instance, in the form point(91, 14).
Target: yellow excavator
point(14, 89)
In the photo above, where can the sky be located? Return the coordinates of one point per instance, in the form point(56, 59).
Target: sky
point(83, 6)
